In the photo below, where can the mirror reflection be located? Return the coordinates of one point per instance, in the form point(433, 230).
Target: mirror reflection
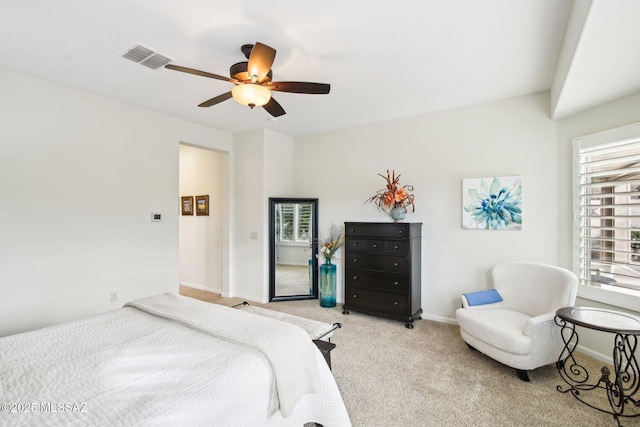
point(293, 261)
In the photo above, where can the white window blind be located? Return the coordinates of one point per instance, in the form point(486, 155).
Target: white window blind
point(304, 223)
point(295, 222)
point(607, 209)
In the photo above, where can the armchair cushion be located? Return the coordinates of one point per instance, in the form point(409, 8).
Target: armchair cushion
point(503, 329)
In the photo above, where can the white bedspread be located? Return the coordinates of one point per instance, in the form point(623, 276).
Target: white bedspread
point(127, 367)
point(286, 346)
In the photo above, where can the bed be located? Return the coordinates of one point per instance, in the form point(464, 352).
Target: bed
point(167, 360)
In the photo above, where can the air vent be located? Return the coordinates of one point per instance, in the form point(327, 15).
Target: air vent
point(156, 61)
point(146, 57)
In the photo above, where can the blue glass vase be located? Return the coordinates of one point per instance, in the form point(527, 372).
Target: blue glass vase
point(327, 279)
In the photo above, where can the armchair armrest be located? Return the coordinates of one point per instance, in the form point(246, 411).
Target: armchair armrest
point(545, 338)
point(541, 322)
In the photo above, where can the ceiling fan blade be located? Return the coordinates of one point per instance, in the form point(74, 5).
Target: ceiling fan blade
point(199, 73)
point(260, 61)
point(274, 108)
point(300, 87)
point(218, 99)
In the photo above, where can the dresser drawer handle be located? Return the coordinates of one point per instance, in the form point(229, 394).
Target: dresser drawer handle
point(396, 247)
point(355, 260)
point(355, 277)
point(396, 302)
point(355, 245)
point(396, 283)
point(353, 230)
point(400, 231)
point(395, 264)
point(374, 246)
point(355, 296)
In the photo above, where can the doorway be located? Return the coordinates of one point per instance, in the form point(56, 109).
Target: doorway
point(204, 233)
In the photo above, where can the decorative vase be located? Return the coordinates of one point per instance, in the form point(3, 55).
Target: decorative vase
point(327, 284)
point(398, 213)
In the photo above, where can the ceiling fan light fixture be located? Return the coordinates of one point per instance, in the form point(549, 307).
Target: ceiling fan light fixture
point(251, 94)
point(253, 81)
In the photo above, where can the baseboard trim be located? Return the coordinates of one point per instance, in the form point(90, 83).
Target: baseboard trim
point(601, 357)
point(439, 319)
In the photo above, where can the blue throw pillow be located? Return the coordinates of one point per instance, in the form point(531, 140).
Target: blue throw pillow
point(483, 297)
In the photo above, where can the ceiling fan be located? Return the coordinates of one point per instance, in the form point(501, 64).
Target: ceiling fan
point(252, 81)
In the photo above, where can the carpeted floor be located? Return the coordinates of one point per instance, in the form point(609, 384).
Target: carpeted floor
point(393, 376)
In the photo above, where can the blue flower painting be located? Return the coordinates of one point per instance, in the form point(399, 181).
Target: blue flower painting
point(492, 203)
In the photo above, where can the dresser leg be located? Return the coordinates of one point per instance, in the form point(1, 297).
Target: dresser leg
point(345, 311)
point(409, 325)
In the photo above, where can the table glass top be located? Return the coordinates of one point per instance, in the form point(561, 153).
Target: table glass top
point(601, 319)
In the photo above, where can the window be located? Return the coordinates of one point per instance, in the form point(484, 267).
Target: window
point(607, 210)
point(294, 222)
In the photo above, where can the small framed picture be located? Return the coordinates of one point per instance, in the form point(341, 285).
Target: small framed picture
point(186, 204)
point(202, 205)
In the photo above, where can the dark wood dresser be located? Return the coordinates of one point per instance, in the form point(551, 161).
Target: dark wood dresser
point(382, 269)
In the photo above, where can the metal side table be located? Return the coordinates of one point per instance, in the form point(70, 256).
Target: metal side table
point(620, 390)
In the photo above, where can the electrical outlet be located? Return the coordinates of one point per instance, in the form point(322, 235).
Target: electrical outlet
point(113, 296)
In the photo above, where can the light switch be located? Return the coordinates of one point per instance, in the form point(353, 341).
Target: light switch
point(156, 216)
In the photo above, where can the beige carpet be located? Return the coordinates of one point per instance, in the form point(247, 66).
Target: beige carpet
point(393, 376)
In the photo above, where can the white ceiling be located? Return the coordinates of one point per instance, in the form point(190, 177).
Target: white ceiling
point(383, 59)
point(600, 59)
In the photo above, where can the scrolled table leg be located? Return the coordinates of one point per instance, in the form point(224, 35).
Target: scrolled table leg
point(627, 374)
point(570, 370)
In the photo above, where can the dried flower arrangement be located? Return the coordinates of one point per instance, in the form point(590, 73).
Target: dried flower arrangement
point(394, 195)
point(332, 241)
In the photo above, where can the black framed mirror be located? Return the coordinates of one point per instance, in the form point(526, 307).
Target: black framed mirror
point(293, 237)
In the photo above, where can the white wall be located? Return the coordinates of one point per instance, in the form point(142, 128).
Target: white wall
point(262, 170)
point(434, 152)
point(79, 177)
point(201, 237)
point(278, 164)
point(250, 214)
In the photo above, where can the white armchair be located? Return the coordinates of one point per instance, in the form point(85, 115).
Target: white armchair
point(520, 331)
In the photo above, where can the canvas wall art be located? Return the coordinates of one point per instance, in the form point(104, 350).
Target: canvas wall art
point(493, 203)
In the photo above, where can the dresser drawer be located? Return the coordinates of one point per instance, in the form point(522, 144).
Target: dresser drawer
point(389, 263)
point(377, 300)
point(398, 247)
point(376, 280)
point(381, 230)
point(366, 245)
